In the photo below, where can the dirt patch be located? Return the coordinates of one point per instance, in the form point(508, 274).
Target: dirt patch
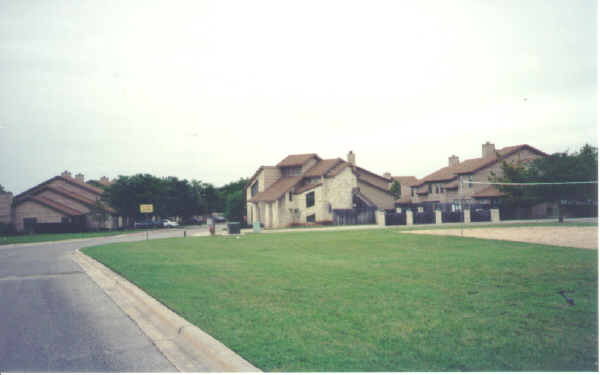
point(582, 237)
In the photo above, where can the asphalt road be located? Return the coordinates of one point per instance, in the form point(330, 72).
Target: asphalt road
point(54, 318)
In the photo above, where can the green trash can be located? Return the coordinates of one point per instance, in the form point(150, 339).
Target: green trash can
point(233, 227)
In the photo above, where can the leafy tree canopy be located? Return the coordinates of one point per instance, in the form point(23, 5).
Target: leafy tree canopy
point(559, 167)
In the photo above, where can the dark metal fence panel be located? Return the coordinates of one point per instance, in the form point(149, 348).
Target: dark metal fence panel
point(426, 217)
point(58, 228)
point(452, 217)
point(354, 216)
point(480, 215)
point(395, 218)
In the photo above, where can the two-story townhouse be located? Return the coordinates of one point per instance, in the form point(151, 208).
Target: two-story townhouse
point(450, 186)
point(304, 188)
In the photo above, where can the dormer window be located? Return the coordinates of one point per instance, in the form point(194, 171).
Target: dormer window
point(291, 171)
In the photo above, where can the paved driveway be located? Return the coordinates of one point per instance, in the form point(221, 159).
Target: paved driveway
point(54, 318)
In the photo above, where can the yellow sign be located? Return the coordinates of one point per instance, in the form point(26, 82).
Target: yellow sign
point(146, 208)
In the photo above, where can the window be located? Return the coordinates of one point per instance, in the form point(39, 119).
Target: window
point(470, 180)
point(254, 189)
point(419, 209)
point(290, 196)
point(310, 199)
point(412, 192)
point(291, 171)
point(437, 188)
point(429, 187)
point(311, 218)
point(329, 207)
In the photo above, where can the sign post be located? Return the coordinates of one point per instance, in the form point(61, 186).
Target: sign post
point(146, 209)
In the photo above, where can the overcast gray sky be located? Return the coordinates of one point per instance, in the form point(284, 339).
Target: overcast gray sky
point(211, 90)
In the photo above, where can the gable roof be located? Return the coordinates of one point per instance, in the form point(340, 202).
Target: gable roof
point(276, 190)
point(77, 197)
point(337, 169)
point(307, 187)
point(405, 180)
point(72, 181)
point(44, 201)
point(296, 160)
point(475, 164)
point(322, 167)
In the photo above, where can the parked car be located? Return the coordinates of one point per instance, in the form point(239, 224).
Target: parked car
point(219, 219)
point(194, 221)
point(166, 223)
point(147, 224)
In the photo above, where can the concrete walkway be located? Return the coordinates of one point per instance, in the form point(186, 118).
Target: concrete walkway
point(416, 226)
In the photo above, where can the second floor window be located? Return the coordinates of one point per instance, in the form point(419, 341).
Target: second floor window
point(290, 196)
point(310, 199)
point(254, 189)
point(470, 180)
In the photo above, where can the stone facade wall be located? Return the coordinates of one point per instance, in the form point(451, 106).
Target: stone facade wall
point(338, 190)
point(381, 199)
point(5, 207)
point(42, 213)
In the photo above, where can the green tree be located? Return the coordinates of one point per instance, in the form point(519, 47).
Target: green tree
point(2, 189)
point(233, 199)
point(396, 188)
point(127, 193)
point(99, 214)
point(559, 167)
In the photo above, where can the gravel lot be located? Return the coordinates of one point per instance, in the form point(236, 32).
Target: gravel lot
point(582, 237)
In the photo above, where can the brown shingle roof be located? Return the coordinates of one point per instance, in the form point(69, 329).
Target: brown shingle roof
point(80, 198)
point(405, 180)
point(337, 169)
point(372, 178)
point(56, 205)
point(472, 165)
point(73, 181)
point(322, 167)
point(452, 185)
point(307, 188)
point(276, 190)
point(296, 160)
point(488, 192)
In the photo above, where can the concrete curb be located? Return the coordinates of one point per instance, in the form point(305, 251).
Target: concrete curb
point(187, 347)
point(66, 241)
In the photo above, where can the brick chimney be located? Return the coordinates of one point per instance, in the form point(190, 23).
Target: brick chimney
point(79, 177)
point(387, 175)
point(66, 174)
point(453, 161)
point(488, 149)
point(352, 158)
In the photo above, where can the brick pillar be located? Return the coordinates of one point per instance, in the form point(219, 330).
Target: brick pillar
point(495, 215)
point(409, 217)
point(438, 216)
point(467, 214)
point(380, 217)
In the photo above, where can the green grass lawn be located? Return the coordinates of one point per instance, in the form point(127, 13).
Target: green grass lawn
point(376, 300)
point(6, 240)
